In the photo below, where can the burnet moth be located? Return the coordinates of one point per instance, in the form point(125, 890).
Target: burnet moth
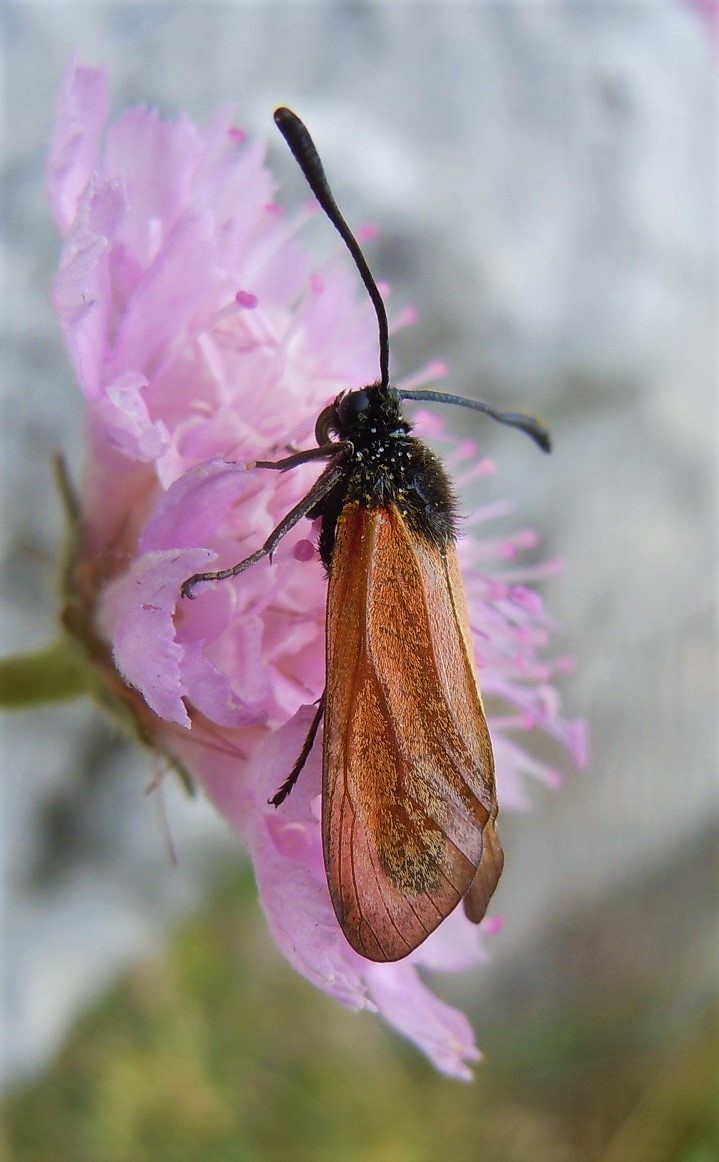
point(409, 804)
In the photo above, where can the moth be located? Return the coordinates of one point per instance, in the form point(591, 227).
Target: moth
point(409, 804)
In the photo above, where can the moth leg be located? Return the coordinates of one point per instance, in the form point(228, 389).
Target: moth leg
point(323, 452)
point(302, 757)
point(332, 474)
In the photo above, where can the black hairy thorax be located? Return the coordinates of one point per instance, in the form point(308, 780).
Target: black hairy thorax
point(386, 467)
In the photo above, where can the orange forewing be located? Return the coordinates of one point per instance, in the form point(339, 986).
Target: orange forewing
point(408, 773)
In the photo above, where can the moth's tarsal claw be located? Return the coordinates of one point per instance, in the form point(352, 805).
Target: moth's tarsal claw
point(186, 589)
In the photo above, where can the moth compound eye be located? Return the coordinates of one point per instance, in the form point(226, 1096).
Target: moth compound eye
point(351, 407)
point(327, 423)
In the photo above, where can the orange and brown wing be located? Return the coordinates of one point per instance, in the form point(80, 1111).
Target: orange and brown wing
point(408, 774)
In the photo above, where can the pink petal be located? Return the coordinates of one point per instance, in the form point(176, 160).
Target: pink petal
point(456, 946)
point(302, 923)
point(285, 844)
point(194, 505)
point(127, 423)
point(136, 616)
point(82, 293)
point(208, 689)
point(157, 159)
point(165, 302)
point(81, 114)
point(441, 1032)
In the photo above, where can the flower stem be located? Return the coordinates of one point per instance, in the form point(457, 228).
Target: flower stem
point(54, 673)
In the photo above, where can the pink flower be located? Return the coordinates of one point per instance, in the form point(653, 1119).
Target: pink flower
point(205, 337)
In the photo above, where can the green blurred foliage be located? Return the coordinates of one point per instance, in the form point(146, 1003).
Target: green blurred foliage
point(217, 1052)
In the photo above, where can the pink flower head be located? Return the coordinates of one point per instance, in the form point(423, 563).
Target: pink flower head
point(204, 338)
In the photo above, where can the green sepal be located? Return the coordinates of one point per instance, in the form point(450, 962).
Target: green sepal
point(76, 664)
point(55, 673)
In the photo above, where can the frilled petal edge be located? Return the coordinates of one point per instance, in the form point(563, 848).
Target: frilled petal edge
point(136, 615)
point(81, 114)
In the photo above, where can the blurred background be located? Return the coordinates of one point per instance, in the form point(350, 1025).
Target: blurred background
point(544, 179)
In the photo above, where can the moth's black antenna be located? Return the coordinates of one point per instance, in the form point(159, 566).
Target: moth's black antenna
point(303, 147)
point(531, 426)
